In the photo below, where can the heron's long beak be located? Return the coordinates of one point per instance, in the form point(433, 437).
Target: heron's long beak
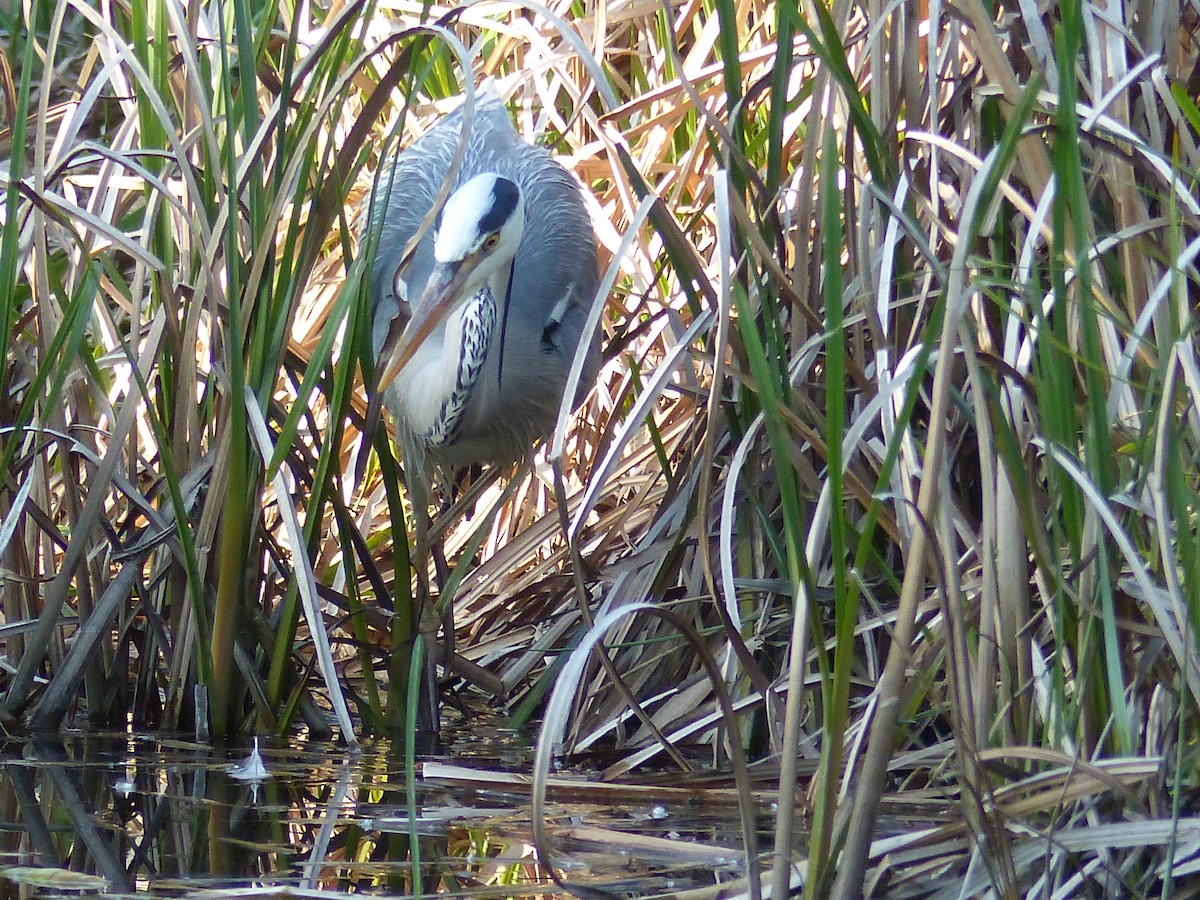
point(443, 292)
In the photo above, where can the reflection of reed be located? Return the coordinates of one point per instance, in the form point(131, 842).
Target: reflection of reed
point(63, 791)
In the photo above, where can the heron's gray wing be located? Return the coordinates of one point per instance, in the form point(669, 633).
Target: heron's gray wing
point(560, 273)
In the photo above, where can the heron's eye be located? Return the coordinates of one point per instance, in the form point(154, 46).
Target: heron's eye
point(492, 240)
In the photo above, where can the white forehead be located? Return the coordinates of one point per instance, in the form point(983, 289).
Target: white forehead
point(463, 216)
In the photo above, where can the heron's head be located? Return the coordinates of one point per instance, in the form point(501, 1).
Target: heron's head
point(477, 239)
point(480, 229)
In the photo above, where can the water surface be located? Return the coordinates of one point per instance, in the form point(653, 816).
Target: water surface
point(156, 816)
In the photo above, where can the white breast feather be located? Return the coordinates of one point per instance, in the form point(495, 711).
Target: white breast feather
point(429, 376)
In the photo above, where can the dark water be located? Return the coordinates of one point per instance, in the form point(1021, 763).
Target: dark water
point(148, 815)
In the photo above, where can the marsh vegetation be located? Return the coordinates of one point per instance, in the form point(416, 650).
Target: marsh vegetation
point(889, 483)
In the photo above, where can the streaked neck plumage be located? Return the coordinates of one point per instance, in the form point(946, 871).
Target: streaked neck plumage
point(451, 376)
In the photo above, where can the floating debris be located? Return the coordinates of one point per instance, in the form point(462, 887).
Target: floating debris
point(251, 768)
point(57, 879)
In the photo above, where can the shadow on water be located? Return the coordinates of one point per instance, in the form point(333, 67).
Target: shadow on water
point(149, 815)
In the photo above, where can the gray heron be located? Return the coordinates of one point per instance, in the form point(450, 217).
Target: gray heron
point(475, 336)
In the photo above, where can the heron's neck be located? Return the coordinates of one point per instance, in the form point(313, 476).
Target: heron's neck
point(468, 335)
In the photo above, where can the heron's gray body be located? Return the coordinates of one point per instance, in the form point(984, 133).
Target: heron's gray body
point(458, 409)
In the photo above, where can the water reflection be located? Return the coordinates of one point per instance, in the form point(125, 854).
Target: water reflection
point(154, 816)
